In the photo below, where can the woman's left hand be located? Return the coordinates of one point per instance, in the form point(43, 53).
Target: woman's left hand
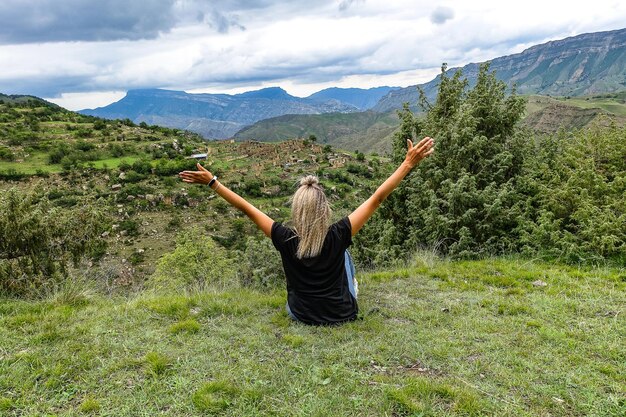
point(203, 176)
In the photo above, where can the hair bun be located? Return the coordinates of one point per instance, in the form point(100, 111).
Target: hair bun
point(309, 180)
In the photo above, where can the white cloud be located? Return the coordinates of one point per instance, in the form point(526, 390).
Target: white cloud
point(81, 101)
point(298, 45)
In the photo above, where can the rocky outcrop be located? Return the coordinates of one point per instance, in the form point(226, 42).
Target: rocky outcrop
point(580, 65)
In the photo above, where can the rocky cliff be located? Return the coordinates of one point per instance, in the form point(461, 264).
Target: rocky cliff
point(580, 65)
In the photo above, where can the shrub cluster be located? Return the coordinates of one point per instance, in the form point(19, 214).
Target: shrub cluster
point(260, 265)
point(196, 263)
point(38, 241)
point(493, 188)
point(576, 184)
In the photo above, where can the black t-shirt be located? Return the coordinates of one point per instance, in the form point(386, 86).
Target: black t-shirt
point(317, 288)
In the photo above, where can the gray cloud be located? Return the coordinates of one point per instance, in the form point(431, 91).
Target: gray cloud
point(232, 5)
point(204, 72)
point(222, 23)
point(324, 67)
point(36, 21)
point(46, 86)
point(441, 14)
point(26, 21)
point(345, 4)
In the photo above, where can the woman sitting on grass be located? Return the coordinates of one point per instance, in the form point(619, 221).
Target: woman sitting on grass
point(320, 275)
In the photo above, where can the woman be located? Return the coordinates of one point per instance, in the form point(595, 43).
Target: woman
point(319, 271)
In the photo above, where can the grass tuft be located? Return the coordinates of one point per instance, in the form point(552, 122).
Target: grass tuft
point(89, 406)
point(293, 340)
point(6, 404)
point(214, 397)
point(386, 276)
point(74, 292)
point(217, 307)
point(427, 397)
point(177, 306)
point(186, 326)
point(158, 364)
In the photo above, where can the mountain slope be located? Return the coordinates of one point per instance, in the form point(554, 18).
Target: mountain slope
point(575, 66)
point(361, 98)
point(548, 115)
point(371, 131)
point(366, 131)
point(20, 99)
point(214, 116)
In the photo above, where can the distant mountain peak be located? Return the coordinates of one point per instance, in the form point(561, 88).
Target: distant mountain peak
point(152, 92)
point(269, 93)
point(361, 98)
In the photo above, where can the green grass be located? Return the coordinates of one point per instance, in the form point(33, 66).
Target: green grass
point(36, 162)
point(115, 162)
point(39, 162)
point(607, 104)
point(610, 103)
point(435, 338)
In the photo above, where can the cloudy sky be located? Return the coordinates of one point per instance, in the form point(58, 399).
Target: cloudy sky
point(81, 53)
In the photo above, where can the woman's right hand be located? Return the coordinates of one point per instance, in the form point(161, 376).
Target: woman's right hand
point(203, 176)
point(415, 153)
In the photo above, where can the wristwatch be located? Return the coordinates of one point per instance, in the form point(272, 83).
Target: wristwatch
point(212, 181)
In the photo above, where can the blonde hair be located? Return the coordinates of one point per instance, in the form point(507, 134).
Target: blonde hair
point(310, 216)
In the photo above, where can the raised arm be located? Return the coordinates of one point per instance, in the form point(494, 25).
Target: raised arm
point(414, 154)
point(203, 176)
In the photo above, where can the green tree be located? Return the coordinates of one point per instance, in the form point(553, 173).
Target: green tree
point(463, 199)
point(99, 124)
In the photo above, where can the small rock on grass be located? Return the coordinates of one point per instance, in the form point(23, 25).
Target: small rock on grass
point(539, 283)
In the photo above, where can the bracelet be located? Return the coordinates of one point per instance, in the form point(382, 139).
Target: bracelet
point(212, 181)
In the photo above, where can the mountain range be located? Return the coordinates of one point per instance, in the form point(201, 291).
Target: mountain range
point(586, 64)
point(581, 65)
point(218, 116)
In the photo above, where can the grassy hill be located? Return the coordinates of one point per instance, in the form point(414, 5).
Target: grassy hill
point(614, 103)
point(435, 338)
point(130, 172)
point(549, 114)
point(353, 131)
